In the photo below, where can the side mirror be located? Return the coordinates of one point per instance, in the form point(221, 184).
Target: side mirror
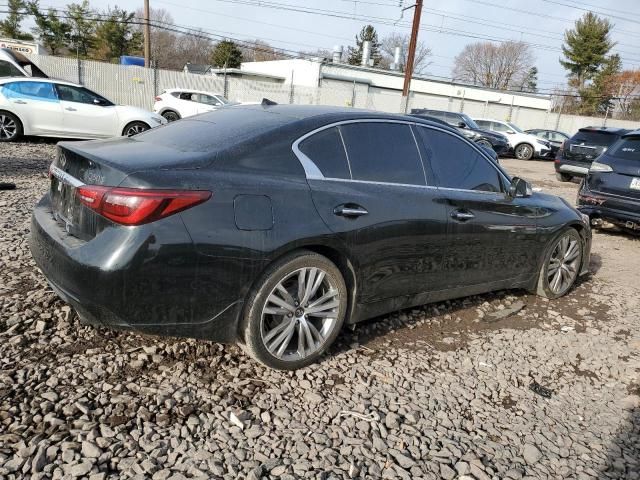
point(520, 188)
point(462, 125)
point(97, 101)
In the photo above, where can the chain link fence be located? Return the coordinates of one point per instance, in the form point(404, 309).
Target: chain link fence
point(131, 85)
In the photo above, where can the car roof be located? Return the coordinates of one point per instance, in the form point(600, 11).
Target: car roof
point(632, 133)
point(38, 79)
point(490, 120)
point(169, 90)
point(616, 130)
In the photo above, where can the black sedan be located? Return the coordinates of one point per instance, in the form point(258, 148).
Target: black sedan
point(273, 226)
point(611, 190)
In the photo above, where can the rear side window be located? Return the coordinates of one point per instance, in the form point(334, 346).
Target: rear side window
point(42, 91)
point(594, 138)
point(627, 148)
point(383, 152)
point(8, 69)
point(458, 165)
point(325, 149)
point(483, 124)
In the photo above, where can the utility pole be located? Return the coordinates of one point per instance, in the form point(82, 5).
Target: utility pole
point(408, 71)
point(147, 35)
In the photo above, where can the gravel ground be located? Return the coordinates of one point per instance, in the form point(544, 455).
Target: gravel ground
point(442, 391)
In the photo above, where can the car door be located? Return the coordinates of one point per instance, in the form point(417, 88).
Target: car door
point(37, 106)
point(371, 191)
point(86, 114)
point(491, 236)
point(187, 104)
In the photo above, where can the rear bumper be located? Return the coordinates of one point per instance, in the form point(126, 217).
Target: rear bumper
point(139, 278)
point(620, 211)
point(576, 169)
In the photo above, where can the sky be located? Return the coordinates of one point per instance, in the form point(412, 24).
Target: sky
point(447, 25)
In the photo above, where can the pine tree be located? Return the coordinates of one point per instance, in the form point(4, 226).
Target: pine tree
point(530, 81)
point(586, 48)
point(599, 97)
point(355, 53)
point(117, 36)
point(226, 54)
point(83, 28)
point(51, 30)
point(10, 26)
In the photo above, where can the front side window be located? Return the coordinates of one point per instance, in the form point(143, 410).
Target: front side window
point(8, 69)
point(208, 100)
point(457, 164)
point(483, 124)
point(383, 152)
point(41, 91)
point(500, 127)
point(70, 93)
point(326, 151)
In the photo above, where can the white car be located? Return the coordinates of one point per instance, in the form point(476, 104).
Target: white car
point(55, 108)
point(523, 145)
point(176, 103)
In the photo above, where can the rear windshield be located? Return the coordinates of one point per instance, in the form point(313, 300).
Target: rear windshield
point(595, 138)
point(627, 148)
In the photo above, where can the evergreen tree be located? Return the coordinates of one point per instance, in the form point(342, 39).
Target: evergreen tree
point(51, 30)
point(10, 26)
point(599, 97)
point(226, 54)
point(82, 35)
point(586, 48)
point(530, 81)
point(355, 53)
point(117, 36)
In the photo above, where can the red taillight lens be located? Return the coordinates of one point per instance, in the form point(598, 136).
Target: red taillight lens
point(132, 206)
point(158, 99)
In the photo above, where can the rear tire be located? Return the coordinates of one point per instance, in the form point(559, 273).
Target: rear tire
point(485, 143)
point(282, 334)
point(524, 151)
point(10, 127)
point(171, 116)
point(134, 128)
point(561, 265)
point(563, 177)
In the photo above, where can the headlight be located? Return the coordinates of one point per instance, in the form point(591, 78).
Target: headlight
point(157, 119)
point(600, 167)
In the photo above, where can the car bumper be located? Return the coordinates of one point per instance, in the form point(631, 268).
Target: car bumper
point(122, 278)
point(576, 169)
point(620, 211)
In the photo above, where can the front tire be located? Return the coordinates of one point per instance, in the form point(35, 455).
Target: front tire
point(171, 116)
point(561, 265)
point(295, 312)
point(10, 127)
point(485, 143)
point(134, 128)
point(524, 151)
point(563, 177)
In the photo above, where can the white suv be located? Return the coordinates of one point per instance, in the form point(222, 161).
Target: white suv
point(176, 103)
point(523, 145)
point(54, 108)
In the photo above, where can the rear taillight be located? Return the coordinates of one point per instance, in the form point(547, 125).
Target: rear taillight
point(132, 206)
point(158, 99)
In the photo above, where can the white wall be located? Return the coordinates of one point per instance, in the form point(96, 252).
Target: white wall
point(306, 73)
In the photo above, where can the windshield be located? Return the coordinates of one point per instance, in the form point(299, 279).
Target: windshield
point(469, 121)
point(590, 137)
point(515, 127)
point(224, 100)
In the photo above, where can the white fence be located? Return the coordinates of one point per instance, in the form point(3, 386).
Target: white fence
point(138, 86)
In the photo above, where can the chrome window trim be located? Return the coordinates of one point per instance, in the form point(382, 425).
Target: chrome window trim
point(346, 153)
point(415, 140)
point(312, 172)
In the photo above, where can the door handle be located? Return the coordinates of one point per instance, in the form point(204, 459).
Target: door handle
point(462, 215)
point(350, 211)
point(21, 102)
point(71, 109)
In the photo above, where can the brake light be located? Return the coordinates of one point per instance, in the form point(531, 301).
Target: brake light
point(158, 99)
point(133, 206)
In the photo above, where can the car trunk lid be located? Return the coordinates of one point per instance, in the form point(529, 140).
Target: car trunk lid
point(588, 144)
point(624, 180)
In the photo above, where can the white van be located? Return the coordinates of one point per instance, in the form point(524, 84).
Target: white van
point(15, 64)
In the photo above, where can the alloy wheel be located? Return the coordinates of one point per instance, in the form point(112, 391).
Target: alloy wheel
point(171, 116)
point(485, 144)
point(135, 129)
point(524, 152)
point(8, 127)
point(300, 314)
point(563, 264)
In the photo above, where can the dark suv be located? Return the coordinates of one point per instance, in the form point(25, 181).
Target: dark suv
point(467, 127)
point(576, 154)
point(611, 190)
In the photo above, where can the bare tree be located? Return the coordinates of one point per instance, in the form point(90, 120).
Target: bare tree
point(500, 66)
point(388, 48)
point(260, 51)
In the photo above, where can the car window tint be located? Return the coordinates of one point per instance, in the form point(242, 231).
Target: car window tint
point(483, 124)
point(42, 91)
point(499, 127)
point(590, 137)
point(325, 149)
point(458, 165)
point(69, 93)
point(8, 69)
point(627, 148)
point(383, 152)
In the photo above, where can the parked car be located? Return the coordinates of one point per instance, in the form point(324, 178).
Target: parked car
point(340, 215)
point(611, 190)
point(467, 127)
point(54, 108)
point(14, 64)
point(176, 103)
point(555, 138)
point(523, 145)
point(576, 154)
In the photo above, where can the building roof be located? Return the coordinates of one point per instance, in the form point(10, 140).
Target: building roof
point(197, 68)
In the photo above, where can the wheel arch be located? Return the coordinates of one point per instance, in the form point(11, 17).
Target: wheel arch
point(2, 110)
point(164, 110)
point(129, 123)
